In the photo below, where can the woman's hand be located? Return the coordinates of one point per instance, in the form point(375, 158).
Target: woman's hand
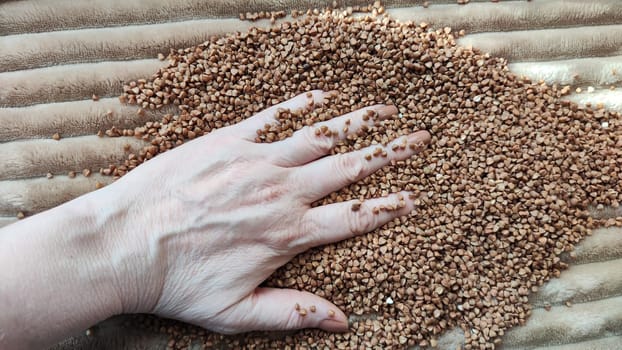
point(206, 223)
point(192, 233)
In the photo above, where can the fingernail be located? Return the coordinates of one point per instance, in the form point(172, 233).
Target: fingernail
point(334, 325)
point(419, 138)
point(385, 112)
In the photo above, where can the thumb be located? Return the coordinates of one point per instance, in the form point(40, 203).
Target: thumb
point(288, 309)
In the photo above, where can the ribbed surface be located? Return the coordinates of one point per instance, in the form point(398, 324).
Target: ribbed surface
point(34, 16)
point(37, 194)
point(54, 55)
point(33, 158)
point(73, 118)
point(71, 82)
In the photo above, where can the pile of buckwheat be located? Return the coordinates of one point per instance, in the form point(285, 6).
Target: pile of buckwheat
point(503, 190)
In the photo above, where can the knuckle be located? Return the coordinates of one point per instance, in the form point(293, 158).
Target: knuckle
point(283, 242)
point(293, 321)
point(301, 236)
point(292, 239)
point(287, 240)
point(361, 221)
point(350, 167)
point(272, 193)
point(270, 182)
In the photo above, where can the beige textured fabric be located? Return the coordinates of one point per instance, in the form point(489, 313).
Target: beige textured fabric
point(55, 54)
point(32, 16)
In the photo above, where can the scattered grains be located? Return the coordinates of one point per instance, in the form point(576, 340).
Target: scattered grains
point(255, 16)
point(590, 89)
point(331, 313)
point(20, 215)
point(356, 206)
point(95, 97)
point(49, 175)
point(56, 136)
point(501, 193)
point(71, 174)
point(377, 152)
point(312, 308)
point(302, 312)
point(86, 172)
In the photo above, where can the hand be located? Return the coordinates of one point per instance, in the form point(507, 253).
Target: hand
point(206, 223)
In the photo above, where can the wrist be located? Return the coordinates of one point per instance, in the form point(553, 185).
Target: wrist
point(115, 215)
point(59, 280)
point(96, 244)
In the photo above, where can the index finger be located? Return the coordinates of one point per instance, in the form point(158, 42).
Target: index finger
point(308, 100)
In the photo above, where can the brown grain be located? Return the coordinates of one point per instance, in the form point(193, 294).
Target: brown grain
point(501, 193)
point(356, 206)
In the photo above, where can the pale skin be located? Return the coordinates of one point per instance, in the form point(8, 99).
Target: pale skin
point(192, 233)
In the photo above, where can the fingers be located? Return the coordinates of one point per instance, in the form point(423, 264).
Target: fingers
point(339, 221)
point(313, 142)
point(287, 309)
point(330, 174)
point(248, 128)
